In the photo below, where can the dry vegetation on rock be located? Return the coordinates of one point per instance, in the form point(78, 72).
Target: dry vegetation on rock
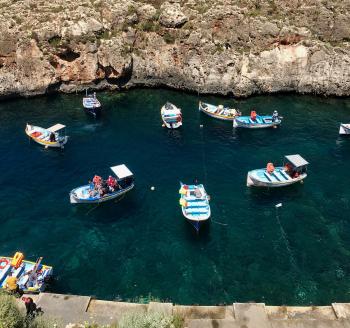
point(221, 46)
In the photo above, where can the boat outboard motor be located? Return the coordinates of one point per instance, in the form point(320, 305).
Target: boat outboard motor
point(275, 116)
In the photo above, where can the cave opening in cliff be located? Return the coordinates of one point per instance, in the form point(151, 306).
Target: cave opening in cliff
point(68, 55)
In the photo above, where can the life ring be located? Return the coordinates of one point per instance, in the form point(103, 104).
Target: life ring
point(3, 263)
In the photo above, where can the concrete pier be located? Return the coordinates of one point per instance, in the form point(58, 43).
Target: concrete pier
point(72, 309)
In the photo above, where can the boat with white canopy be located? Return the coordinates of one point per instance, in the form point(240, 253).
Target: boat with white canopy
point(194, 202)
point(220, 112)
point(294, 170)
point(100, 190)
point(49, 137)
point(344, 128)
point(171, 116)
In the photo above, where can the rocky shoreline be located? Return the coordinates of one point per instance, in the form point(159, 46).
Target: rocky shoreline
point(238, 48)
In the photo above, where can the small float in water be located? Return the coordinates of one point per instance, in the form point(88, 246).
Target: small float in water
point(293, 171)
point(194, 203)
point(255, 121)
point(171, 116)
point(344, 128)
point(91, 104)
point(220, 112)
point(31, 276)
point(49, 137)
point(100, 190)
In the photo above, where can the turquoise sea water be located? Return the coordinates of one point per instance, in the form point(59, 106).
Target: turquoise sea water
point(141, 244)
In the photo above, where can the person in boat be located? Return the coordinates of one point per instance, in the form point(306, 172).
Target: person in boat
point(275, 116)
point(52, 137)
point(97, 180)
point(270, 168)
point(197, 193)
point(11, 285)
point(253, 115)
point(112, 184)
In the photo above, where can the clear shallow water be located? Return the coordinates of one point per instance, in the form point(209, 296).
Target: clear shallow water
point(142, 245)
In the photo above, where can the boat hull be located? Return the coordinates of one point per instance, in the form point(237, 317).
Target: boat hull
point(215, 115)
point(75, 196)
point(31, 129)
point(256, 179)
point(239, 123)
point(344, 129)
point(44, 275)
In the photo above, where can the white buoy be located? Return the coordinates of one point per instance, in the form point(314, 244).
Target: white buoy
point(201, 126)
point(278, 205)
point(153, 188)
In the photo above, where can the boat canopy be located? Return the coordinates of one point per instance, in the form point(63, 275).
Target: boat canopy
point(121, 171)
point(56, 127)
point(296, 160)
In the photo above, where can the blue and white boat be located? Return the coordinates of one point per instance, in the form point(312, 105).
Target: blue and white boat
point(171, 116)
point(194, 203)
point(255, 121)
point(101, 191)
point(31, 276)
point(294, 170)
point(91, 104)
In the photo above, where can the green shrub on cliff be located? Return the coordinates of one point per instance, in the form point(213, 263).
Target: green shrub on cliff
point(10, 315)
point(150, 320)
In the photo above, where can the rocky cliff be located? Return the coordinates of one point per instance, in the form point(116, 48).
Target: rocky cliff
point(238, 47)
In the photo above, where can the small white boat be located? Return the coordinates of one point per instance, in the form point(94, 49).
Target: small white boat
point(255, 121)
point(99, 191)
point(194, 203)
point(220, 112)
point(344, 128)
point(49, 137)
point(293, 171)
point(171, 116)
point(91, 104)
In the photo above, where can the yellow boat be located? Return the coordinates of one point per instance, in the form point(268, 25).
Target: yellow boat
point(31, 276)
point(49, 137)
point(220, 112)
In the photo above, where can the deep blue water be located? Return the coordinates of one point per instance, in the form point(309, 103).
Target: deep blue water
point(141, 244)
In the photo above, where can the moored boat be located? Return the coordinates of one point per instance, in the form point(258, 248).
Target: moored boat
point(194, 202)
point(344, 128)
point(49, 137)
point(220, 112)
point(294, 170)
point(91, 104)
point(255, 121)
point(171, 116)
point(100, 190)
point(31, 276)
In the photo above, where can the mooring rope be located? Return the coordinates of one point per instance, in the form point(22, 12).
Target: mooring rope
point(286, 242)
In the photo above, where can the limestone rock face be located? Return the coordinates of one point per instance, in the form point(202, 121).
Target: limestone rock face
point(171, 15)
point(224, 46)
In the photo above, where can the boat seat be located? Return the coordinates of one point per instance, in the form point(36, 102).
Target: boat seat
point(4, 272)
point(197, 204)
point(285, 175)
point(267, 177)
point(197, 210)
point(275, 176)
